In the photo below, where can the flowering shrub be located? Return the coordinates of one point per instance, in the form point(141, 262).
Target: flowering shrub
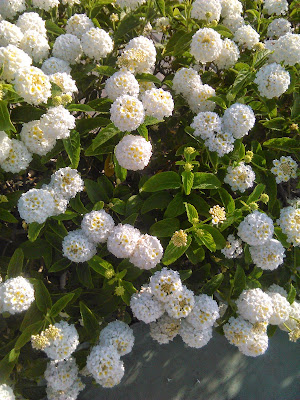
point(148, 163)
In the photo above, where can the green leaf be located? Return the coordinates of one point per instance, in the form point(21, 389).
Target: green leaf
point(5, 122)
point(162, 181)
point(227, 200)
point(7, 216)
point(185, 274)
point(205, 238)
point(161, 6)
point(121, 173)
point(282, 237)
point(205, 180)
point(79, 107)
point(42, 296)
point(129, 291)
point(165, 228)
point(127, 24)
point(195, 253)
point(61, 304)
point(239, 282)
point(176, 207)
point(148, 78)
point(27, 333)
point(7, 364)
point(60, 265)
point(32, 315)
point(213, 285)
point(72, 147)
point(15, 265)
point(105, 70)
point(84, 125)
point(217, 236)
point(84, 275)
point(156, 201)
point(275, 123)
point(271, 330)
point(285, 144)
point(192, 213)
point(99, 265)
point(34, 230)
point(143, 131)
point(291, 294)
point(255, 195)
point(26, 114)
point(94, 191)
point(243, 78)
point(53, 28)
point(104, 135)
point(58, 228)
point(90, 322)
point(187, 181)
point(172, 253)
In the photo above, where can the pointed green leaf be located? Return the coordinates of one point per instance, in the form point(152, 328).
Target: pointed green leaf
point(15, 265)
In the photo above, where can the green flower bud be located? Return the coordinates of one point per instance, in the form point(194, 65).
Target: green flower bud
point(264, 198)
point(253, 206)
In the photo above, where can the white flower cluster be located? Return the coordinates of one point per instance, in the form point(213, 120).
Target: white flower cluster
point(53, 65)
point(233, 247)
point(35, 45)
point(294, 317)
point(233, 22)
point(10, 34)
point(240, 177)
point(279, 27)
point(45, 4)
point(33, 85)
point(286, 49)
point(133, 152)
point(127, 113)
point(185, 81)
point(35, 138)
point(97, 225)
point(207, 10)
point(158, 103)
point(77, 247)
point(289, 222)
point(31, 21)
point(60, 375)
point(206, 45)
point(231, 7)
point(269, 255)
point(10, 8)
point(276, 7)
point(284, 169)
point(70, 394)
point(18, 158)
point(78, 25)
point(246, 37)
point(272, 80)
point(229, 55)
point(254, 305)
point(171, 308)
point(96, 43)
point(12, 59)
point(238, 120)
point(67, 47)
point(104, 361)
point(256, 229)
point(57, 123)
point(6, 392)
point(65, 82)
point(5, 146)
point(121, 83)
point(131, 4)
point(16, 295)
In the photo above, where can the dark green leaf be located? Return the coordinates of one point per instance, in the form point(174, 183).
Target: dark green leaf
point(156, 201)
point(205, 180)
point(205, 238)
point(172, 253)
point(42, 296)
point(161, 6)
point(90, 321)
point(60, 265)
point(34, 230)
point(84, 275)
point(165, 228)
point(104, 135)
point(5, 122)
point(7, 364)
point(239, 282)
point(61, 304)
point(15, 265)
point(187, 181)
point(162, 181)
point(213, 285)
point(27, 333)
point(7, 216)
point(72, 147)
point(53, 28)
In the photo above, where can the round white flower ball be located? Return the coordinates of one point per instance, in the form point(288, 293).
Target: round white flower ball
point(5, 146)
point(294, 315)
point(193, 337)
point(279, 27)
point(254, 305)
point(61, 375)
point(204, 313)
point(68, 48)
point(231, 7)
point(57, 123)
point(185, 81)
point(233, 22)
point(281, 309)
point(205, 124)
point(256, 229)
point(53, 65)
point(127, 113)
point(272, 80)
point(277, 289)
point(6, 392)
point(119, 335)
point(276, 7)
point(31, 21)
point(164, 329)
point(228, 56)
point(139, 55)
point(180, 306)
point(35, 138)
point(35, 45)
point(60, 203)
point(18, 158)
point(240, 178)
point(16, 295)
point(158, 103)
point(206, 45)
point(289, 223)
point(62, 346)
point(121, 83)
point(246, 36)
point(145, 306)
point(255, 345)
point(97, 225)
point(33, 85)
point(147, 253)
point(96, 43)
point(233, 247)
point(45, 4)
point(122, 240)
point(133, 152)
point(9, 34)
point(70, 394)
point(287, 49)
point(198, 99)
point(67, 182)
point(238, 120)
point(78, 25)
point(77, 247)
point(65, 81)
point(36, 205)
point(269, 255)
point(220, 142)
point(207, 10)
point(10, 8)
point(12, 59)
point(237, 330)
point(165, 284)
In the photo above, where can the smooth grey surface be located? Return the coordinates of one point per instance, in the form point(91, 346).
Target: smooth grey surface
point(216, 372)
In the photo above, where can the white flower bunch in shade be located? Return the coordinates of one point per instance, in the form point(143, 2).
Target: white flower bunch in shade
point(29, 21)
point(36, 205)
point(18, 157)
point(231, 7)
point(57, 123)
point(132, 4)
point(147, 252)
point(272, 80)
point(254, 305)
point(145, 306)
point(207, 10)
point(67, 182)
point(276, 7)
point(194, 337)
point(121, 83)
point(269, 255)
point(67, 47)
point(238, 120)
point(284, 169)
point(198, 98)
point(127, 113)
point(77, 247)
point(233, 247)
point(12, 59)
point(96, 43)
point(6, 392)
point(61, 346)
point(60, 203)
point(46, 5)
point(229, 55)
point(65, 82)
point(289, 223)
point(221, 142)
point(139, 55)
point(10, 34)
point(204, 313)
point(70, 394)
point(162, 24)
point(97, 225)
point(35, 45)
point(78, 25)
point(33, 85)
point(279, 27)
point(70, 2)
point(240, 178)
point(281, 309)
point(256, 229)
point(16, 295)
point(158, 103)
point(105, 365)
point(274, 288)
point(165, 329)
point(205, 124)
point(181, 305)
point(185, 81)
point(294, 316)
point(233, 22)
point(165, 284)
point(287, 49)
point(5, 146)
point(35, 138)
point(119, 335)
point(53, 65)
point(246, 36)
point(10, 8)
point(206, 45)
point(122, 240)
point(61, 375)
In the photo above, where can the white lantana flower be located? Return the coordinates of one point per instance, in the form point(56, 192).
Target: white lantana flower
point(206, 45)
point(185, 81)
point(164, 329)
point(96, 43)
point(284, 169)
point(35, 138)
point(281, 309)
point(16, 295)
point(77, 247)
point(10, 8)
point(120, 83)
point(61, 375)
point(133, 152)
point(12, 59)
point(147, 253)
point(272, 80)
point(198, 99)
point(119, 335)
point(36, 205)
point(231, 7)
point(254, 305)
point(127, 113)
point(67, 182)
point(46, 5)
point(256, 229)
point(18, 157)
point(240, 178)
point(33, 85)
point(207, 10)
point(65, 82)
point(63, 345)
point(35, 45)
point(5, 146)
point(6, 392)
point(97, 225)
point(31, 21)
point(122, 240)
point(10, 34)
point(145, 306)
point(57, 123)
point(204, 313)
point(78, 25)
point(233, 247)
point(246, 36)
point(277, 7)
point(279, 27)
point(269, 255)
point(287, 49)
point(238, 119)
point(180, 306)
point(289, 222)
point(165, 284)
point(53, 65)
point(68, 48)
point(228, 56)
point(158, 103)
point(193, 337)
